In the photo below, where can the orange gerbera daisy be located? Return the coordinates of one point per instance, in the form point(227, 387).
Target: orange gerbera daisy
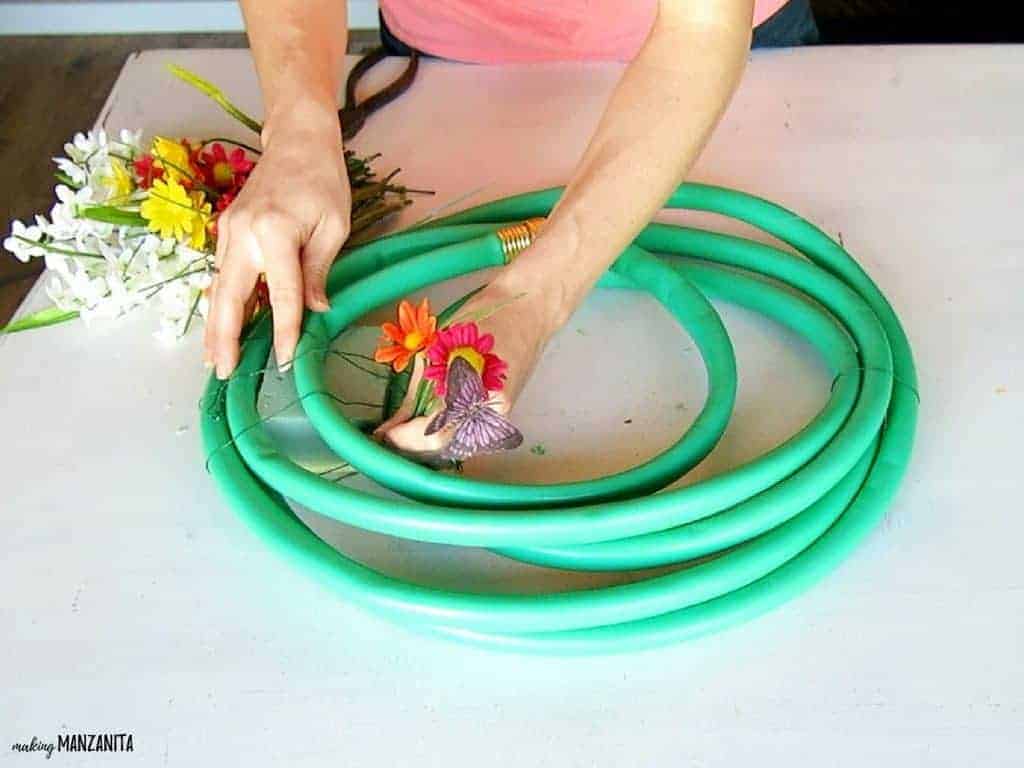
point(415, 332)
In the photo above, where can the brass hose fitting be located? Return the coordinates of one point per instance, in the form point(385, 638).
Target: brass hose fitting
point(516, 238)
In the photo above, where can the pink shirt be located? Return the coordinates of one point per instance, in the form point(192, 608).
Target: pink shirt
point(506, 31)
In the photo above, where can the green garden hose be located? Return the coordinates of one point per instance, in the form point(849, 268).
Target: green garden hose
point(763, 532)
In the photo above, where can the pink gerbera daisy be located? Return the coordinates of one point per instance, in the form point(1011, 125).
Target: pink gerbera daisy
point(464, 340)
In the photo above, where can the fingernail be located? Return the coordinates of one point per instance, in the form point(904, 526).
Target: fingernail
point(208, 364)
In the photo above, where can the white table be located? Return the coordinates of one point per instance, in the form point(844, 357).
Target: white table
point(135, 601)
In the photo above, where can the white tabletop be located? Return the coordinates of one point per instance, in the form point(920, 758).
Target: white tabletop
point(135, 601)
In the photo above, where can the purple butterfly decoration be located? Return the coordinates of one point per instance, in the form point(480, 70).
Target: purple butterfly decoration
point(478, 427)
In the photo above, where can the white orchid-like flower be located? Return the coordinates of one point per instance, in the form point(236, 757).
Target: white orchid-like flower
point(74, 172)
point(64, 221)
point(24, 242)
point(83, 146)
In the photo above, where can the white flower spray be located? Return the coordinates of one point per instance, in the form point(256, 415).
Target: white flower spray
point(98, 269)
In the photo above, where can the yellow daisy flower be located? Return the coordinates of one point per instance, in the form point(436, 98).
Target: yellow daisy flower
point(168, 210)
point(200, 218)
point(177, 166)
point(117, 182)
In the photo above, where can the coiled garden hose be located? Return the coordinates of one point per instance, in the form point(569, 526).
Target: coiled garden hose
point(759, 534)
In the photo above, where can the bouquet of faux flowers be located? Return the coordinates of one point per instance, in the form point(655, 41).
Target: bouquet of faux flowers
point(455, 375)
point(135, 224)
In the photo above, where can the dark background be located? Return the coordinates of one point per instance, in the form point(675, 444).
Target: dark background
point(919, 21)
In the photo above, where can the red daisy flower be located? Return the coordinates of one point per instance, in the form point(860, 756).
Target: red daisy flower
point(146, 171)
point(223, 170)
point(225, 199)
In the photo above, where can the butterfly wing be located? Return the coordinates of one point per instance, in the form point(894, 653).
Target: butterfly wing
point(465, 391)
point(439, 422)
point(482, 431)
point(465, 387)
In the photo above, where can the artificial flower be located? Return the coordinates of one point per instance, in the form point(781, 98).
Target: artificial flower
point(89, 156)
point(200, 219)
point(114, 181)
point(24, 242)
point(83, 146)
point(64, 222)
point(224, 200)
point(71, 171)
point(464, 340)
point(146, 171)
point(223, 170)
point(173, 158)
point(262, 293)
point(128, 140)
point(168, 210)
point(416, 330)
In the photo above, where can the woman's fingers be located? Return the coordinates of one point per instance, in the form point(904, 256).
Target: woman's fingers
point(211, 292)
point(269, 243)
point(318, 256)
point(410, 436)
point(280, 255)
point(288, 226)
point(235, 284)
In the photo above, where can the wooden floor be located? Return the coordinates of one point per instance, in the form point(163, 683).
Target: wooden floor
point(51, 87)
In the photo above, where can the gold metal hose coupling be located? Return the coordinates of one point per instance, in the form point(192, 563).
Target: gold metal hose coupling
point(516, 238)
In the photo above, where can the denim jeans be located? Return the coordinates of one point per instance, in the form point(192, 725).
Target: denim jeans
point(792, 24)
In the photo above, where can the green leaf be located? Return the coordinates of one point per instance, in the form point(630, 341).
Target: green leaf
point(40, 319)
point(65, 179)
point(217, 95)
point(110, 215)
point(425, 398)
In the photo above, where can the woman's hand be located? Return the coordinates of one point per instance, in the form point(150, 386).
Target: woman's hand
point(533, 301)
point(289, 222)
point(669, 100)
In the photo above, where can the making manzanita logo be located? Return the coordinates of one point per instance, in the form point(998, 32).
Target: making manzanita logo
point(78, 742)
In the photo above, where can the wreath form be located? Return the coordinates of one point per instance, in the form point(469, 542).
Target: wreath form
point(762, 532)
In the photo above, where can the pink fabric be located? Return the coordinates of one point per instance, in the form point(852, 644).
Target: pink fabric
point(508, 31)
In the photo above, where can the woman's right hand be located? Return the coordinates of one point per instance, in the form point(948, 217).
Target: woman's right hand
point(289, 221)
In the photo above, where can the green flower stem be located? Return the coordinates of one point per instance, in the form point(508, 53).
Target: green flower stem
point(481, 314)
point(191, 177)
point(155, 287)
point(206, 142)
point(368, 192)
point(128, 264)
point(63, 178)
point(400, 190)
point(192, 313)
point(62, 251)
point(217, 95)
